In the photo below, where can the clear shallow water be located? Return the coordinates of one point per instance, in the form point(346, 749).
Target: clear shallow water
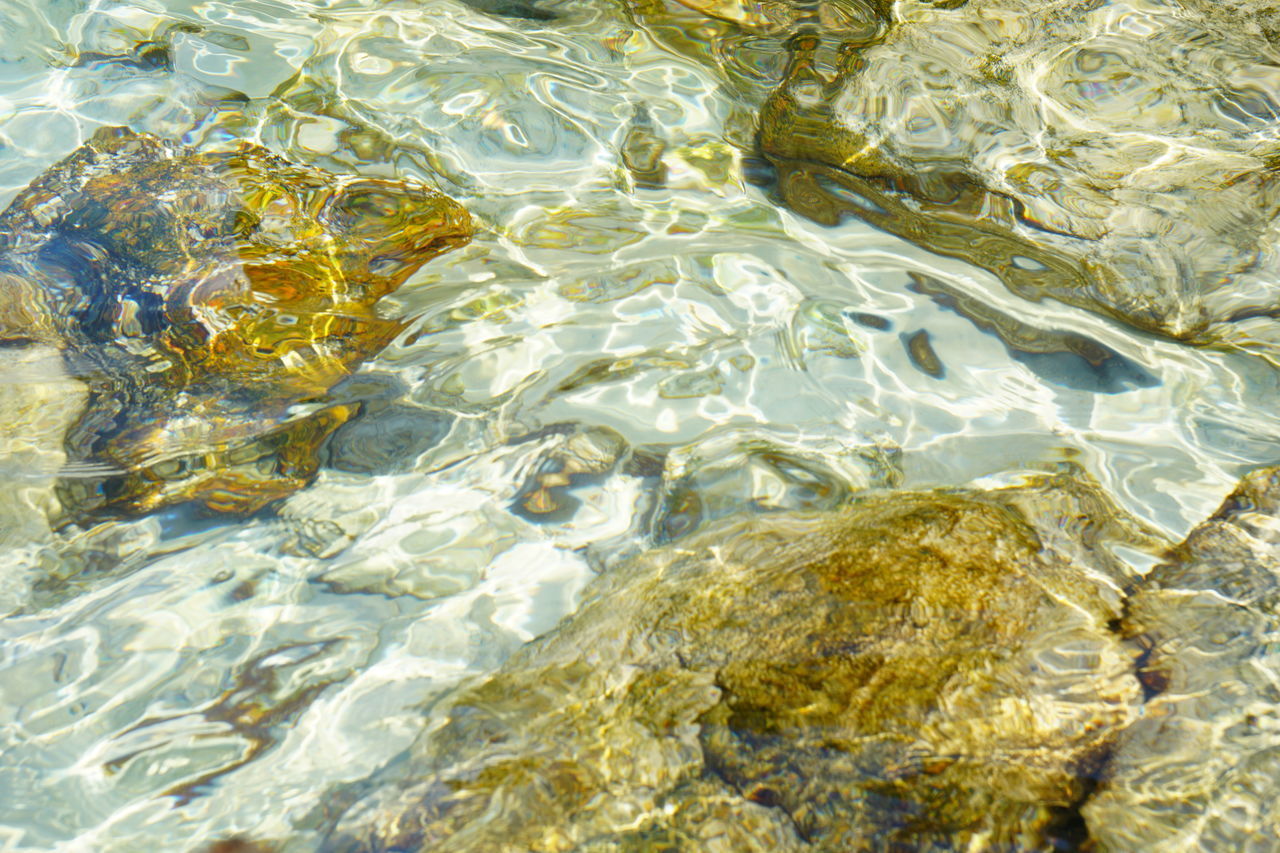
point(685, 349)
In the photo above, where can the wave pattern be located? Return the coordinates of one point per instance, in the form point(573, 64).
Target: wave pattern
point(637, 343)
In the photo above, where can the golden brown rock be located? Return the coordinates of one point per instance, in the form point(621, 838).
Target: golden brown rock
point(919, 671)
point(844, 18)
point(202, 295)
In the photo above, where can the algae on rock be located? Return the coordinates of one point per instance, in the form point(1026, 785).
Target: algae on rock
point(919, 670)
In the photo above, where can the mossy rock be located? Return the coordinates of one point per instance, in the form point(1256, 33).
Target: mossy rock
point(927, 670)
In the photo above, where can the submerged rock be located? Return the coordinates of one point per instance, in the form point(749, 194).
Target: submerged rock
point(201, 296)
point(918, 671)
point(1118, 156)
point(1200, 770)
point(730, 470)
point(587, 455)
point(743, 39)
point(852, 19)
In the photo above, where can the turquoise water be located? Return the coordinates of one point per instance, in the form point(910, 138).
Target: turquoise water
point(632, 310)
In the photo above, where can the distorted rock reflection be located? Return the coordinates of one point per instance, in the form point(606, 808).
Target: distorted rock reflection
point(202, 296)
point(1124, 169)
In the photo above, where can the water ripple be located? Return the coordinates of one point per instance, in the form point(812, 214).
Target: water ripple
point(637, 342)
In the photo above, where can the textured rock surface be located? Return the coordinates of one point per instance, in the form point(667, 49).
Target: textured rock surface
point(1200, 770)
point(919, 671)
point(202, 295)
point(1118, 155)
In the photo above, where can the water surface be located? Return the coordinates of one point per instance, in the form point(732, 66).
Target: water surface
point(632, 310)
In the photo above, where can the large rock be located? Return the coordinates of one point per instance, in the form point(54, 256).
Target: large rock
point(201, 296)
point(929, 670)
point(1200, 770)
point(1118, 156)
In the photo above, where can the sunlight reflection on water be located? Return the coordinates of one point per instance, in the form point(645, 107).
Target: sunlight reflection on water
point(165, 681)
